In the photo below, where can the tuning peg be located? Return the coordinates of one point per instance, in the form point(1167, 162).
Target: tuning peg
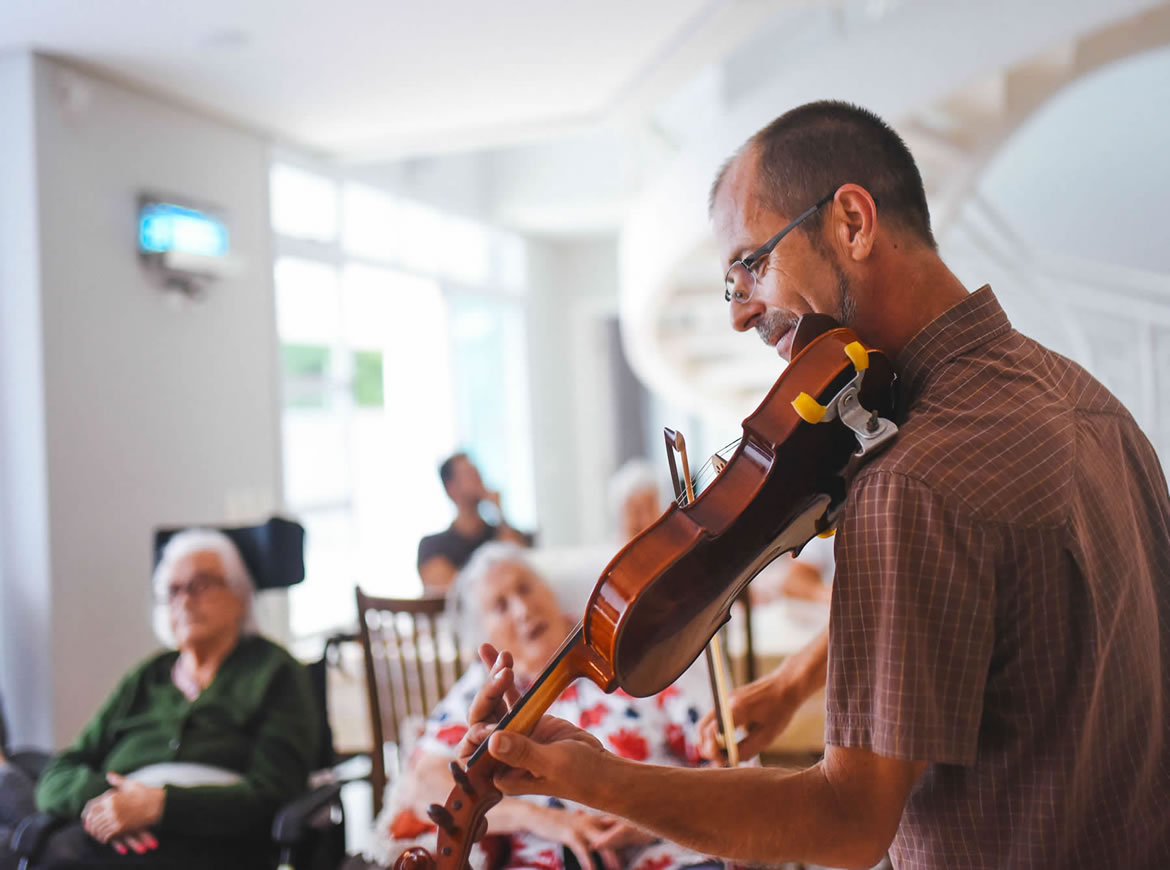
point(441, 817)
point(462, 779)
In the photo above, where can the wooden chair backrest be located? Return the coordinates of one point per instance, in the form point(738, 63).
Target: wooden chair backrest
point(412, 658)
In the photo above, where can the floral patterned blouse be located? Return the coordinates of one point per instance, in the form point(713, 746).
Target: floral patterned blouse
point(658, 730)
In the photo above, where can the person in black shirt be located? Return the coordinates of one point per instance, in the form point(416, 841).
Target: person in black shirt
point(440, 556)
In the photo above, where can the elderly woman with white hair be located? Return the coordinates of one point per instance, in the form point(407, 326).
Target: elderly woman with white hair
point(187, 761)
point(500, 599)
point(635, 498)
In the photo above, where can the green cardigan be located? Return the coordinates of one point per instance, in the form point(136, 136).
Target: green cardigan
point(258, 717)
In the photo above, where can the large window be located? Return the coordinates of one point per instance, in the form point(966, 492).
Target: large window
point(402, 339)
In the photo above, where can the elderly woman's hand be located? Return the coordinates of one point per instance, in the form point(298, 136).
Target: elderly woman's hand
point(125, 811)
point(617, 833)
point(140, 843)
point(578, 830)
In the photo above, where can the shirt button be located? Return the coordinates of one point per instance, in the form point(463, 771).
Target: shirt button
point(174, 744)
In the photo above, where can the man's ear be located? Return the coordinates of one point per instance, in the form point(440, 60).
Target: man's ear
point(853, 218)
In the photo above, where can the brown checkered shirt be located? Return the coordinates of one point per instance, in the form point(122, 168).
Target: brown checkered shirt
point(1001, 609)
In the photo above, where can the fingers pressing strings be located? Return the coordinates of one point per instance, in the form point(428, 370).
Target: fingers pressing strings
point(491, 703)
point(500, 694)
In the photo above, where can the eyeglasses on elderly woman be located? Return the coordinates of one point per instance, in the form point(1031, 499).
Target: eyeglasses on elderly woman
point(196, 587)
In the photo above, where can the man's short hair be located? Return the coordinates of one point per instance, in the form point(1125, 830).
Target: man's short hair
point(813, 149)
point(447, 467)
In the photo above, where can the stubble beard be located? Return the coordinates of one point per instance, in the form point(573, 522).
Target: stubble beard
point(774, 322)
point(846, 303)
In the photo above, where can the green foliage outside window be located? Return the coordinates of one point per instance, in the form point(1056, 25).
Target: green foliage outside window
point(367, 378)
point(306, 375)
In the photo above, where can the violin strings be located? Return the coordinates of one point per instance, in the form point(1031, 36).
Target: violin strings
point(706, 473)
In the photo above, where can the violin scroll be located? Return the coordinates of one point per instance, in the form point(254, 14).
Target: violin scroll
point(463, 819)
point(465, 811)
point(416, 858)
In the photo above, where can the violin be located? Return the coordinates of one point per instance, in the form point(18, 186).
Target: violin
point(668, 591)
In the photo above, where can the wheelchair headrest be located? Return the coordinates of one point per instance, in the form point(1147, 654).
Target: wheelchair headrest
point(274, 552)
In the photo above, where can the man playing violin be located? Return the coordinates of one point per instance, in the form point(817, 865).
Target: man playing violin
point(997, 664)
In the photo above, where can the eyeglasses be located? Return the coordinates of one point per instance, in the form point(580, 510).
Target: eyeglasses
point(740, 281)
point(196, 587)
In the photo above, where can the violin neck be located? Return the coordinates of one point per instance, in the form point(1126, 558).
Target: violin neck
point(564, 667)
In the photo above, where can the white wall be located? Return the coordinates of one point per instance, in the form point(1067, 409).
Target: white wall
point(573, 287)
point(155, 412)
point(25, 657)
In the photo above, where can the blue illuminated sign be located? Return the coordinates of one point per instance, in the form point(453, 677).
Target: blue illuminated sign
point(164, 227)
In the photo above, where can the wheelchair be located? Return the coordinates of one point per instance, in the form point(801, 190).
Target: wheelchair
point(308, 833)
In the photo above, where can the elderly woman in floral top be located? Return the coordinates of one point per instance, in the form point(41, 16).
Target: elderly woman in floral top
point(500, 599)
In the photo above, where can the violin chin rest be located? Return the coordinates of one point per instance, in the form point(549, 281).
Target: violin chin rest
point(811, 326)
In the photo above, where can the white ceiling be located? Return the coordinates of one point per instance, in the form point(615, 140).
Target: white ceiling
point(368, 79)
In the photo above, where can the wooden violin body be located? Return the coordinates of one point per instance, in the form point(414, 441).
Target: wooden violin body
point(661, 598)
point(666, 593)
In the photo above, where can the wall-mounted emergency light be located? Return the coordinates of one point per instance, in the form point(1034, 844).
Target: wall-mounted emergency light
point(185, 247)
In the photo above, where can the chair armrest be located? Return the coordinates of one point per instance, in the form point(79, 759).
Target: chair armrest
point(32, 762)
point(353, 769)
point(297, 817)
point(30, 835)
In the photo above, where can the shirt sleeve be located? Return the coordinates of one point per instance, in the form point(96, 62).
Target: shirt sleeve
point(911, 630)
point(77, 774)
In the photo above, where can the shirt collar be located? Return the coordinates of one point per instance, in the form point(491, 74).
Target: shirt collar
point(976, 320)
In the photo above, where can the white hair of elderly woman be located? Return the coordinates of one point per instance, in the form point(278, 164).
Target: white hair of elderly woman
point(636, 475)
point(235, 572)
point(462, 604)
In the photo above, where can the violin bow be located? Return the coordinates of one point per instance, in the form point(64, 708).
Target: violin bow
point(716, 663)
